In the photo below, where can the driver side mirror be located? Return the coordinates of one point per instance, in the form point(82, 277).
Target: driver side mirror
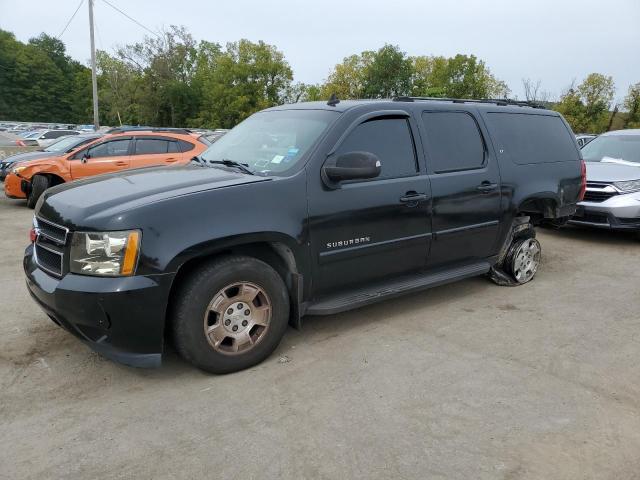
point(85, 156)
point(351, 166)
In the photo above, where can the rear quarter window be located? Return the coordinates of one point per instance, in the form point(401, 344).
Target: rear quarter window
point(529, 138)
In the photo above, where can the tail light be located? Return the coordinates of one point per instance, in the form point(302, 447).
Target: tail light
point(20, 143)
point(583, 185)
point(33, 235)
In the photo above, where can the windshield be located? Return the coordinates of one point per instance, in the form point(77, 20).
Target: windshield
point(613, 148)
point(271, 142)
point(65, 143)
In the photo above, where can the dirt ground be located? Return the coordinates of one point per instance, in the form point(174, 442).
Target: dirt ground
point(466, 381)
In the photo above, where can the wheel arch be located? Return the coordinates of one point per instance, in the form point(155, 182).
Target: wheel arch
point(539, 207)
point(279, 251)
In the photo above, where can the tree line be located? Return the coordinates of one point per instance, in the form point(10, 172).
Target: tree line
point(173, 80)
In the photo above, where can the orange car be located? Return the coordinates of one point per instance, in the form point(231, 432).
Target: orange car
point(120, 150)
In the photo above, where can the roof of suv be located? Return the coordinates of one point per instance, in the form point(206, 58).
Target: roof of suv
point(344, 105)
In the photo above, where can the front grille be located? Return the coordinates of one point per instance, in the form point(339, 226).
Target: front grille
point(52, 231)
point(50, 244)
point(601, 218)
point(49, 260)
point(592, 196)
point(599, 192)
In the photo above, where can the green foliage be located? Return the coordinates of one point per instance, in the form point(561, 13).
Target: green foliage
point(632, 105)
point(389, 72)
point(172, 80)
point(586, 107)
point(38, 81)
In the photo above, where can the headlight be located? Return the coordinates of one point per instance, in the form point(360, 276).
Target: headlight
point(628, 187)
point(109, 254)
point(17, 170)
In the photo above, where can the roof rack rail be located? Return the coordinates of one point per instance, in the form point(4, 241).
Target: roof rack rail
point(148, 129)
point(494, 101)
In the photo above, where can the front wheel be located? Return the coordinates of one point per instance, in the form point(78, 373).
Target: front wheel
point(230, 314)
point(39, 183)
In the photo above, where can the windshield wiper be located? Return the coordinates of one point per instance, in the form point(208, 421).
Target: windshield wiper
point(232, 163)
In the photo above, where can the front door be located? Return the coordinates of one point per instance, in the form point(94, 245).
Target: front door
point(108, 156)
point(372, 229)
point(465, 183)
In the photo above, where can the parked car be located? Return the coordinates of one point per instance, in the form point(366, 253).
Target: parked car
point(44, 138)
point(60, 147)
point(114, 152)
point(86, 128)
point(301, 209)
point(584, 138)
point(612, 198)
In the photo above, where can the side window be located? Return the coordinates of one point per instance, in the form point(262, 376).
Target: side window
point(173, 147)
point(390, 140)
point(50, 135)
point(150, 146)
point(186, 146)
point(532, 138)
point(114, 148)
point(453, 140)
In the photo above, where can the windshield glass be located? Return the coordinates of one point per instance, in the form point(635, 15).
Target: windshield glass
point(613, 148)
point(271, 142)
point(64, 144)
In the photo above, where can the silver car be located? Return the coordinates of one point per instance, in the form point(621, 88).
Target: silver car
point(44, 138)
point(612, 199)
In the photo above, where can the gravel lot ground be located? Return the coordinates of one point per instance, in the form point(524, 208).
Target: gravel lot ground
point(467, 381)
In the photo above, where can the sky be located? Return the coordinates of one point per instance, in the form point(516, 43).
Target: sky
point(554, 41)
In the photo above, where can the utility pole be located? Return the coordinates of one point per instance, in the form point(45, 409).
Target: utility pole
point(94, 80)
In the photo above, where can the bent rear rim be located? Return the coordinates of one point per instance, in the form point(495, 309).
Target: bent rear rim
point(237, 318)
point(526, 260)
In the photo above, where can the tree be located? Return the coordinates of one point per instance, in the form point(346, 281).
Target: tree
point(533, 91)
point(586, 107)
point(247, 77)
point(386, 73)
point(632, 105)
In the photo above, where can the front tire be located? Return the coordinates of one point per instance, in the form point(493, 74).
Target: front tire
point(230, 314)
point(39, 183)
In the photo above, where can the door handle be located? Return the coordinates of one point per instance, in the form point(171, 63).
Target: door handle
point(121, 164)
point(486, 187)
point(172, 159)
point(412, 198)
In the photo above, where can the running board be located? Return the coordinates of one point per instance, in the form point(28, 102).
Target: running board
point(393, 288)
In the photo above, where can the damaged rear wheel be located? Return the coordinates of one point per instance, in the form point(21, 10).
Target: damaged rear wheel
point(523, 259)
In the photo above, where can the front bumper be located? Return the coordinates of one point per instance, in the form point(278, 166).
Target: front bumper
point(121, 318)
point(620, 212)
point(14, 186)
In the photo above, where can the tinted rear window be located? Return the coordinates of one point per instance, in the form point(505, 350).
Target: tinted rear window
point(527, 138)
point(454, 141)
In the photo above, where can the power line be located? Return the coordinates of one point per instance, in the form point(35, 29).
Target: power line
point(71, 19)
point(131, 18)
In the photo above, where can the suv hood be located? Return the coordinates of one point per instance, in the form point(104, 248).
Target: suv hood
point(611, 172)
point(116, 192)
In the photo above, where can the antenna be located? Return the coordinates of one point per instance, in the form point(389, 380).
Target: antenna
point(333, 101)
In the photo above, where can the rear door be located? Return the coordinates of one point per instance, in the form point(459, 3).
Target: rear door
point(465, 183)
point(155, 150)
point(108, 156)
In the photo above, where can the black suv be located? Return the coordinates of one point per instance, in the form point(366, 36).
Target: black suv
point(306, 209)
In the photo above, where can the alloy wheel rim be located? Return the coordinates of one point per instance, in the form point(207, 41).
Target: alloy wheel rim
point(237, 318)
point(526, 260)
